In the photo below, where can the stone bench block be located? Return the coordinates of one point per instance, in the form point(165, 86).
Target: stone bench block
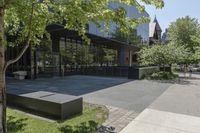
point(56, 105)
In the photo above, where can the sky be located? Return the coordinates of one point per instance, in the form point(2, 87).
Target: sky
point(174, 9)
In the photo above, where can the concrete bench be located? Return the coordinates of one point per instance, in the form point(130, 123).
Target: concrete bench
point(51, 104)
point(20, 75)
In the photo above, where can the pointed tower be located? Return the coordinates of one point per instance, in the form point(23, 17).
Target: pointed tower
point(154, 32)
point(155, 19)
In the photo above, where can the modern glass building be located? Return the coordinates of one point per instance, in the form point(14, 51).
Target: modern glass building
point(132, 12)
point(51, 58)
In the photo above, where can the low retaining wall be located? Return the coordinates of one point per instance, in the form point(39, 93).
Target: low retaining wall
point(133, 72)
point(105, 71)
point(140, 72)
point(118, 71)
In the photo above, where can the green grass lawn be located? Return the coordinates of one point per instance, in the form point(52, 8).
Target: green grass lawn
point(88, 122)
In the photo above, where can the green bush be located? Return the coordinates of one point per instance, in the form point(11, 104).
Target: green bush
point(161, 75)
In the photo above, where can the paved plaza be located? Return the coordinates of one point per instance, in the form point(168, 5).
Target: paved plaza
point(115, 92)
point(124, 98)
point(134, 105)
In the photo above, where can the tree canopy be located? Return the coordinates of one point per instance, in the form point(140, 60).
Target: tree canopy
point(26, 20)
point(185, 31)
point(163, 55)
point(76, 14)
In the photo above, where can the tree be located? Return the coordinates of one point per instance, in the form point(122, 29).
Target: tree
point(110, 56)
point(186, 32)
point(105, 56)
point(76, 54)
point(163, 55)
point(27, 20)
point(84, 55)
point(45, 55)
point(197, 55)
point(99, 55)
point(68, 53)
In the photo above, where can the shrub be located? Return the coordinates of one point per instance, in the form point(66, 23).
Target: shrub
point(161, 75)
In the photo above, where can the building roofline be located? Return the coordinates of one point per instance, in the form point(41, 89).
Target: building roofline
point(144, 10)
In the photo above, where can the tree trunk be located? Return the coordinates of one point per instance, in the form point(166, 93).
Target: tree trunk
point(185, 71)
point(164, 68)
point(2, 75)
point(4, 65)
point(2, 100)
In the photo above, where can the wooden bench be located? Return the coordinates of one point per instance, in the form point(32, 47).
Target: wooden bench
point(20, 75)
point(51, 104)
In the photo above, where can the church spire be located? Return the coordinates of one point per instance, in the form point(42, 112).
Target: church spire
point(155, 20)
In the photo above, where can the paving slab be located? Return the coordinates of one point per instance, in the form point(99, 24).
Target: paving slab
point(155, 121)
point(177, 110)
point(182, 99)
point(138, 127)
point(134, 95)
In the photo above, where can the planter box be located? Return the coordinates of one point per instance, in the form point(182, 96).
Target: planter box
point(51, 104)
point(20, 75)
point(140, 72)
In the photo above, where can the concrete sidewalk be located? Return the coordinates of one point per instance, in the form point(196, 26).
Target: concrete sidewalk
point(194, 75)
point(177, 110)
